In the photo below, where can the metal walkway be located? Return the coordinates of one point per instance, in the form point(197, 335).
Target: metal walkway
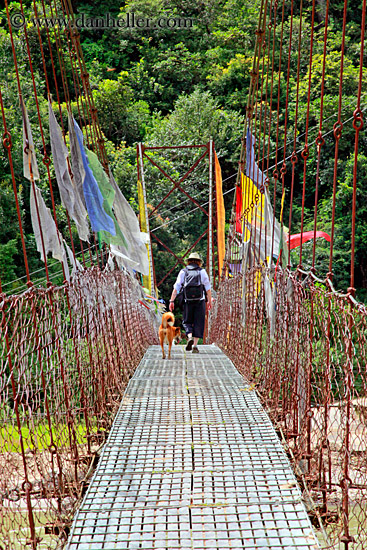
point(192, 461)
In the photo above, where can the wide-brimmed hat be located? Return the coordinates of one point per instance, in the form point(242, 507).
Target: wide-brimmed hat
point(195, 256)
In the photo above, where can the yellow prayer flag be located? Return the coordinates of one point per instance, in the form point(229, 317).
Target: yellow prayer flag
point(282, 206)
point(142, 218)
point(253, 202)
point(143, 228)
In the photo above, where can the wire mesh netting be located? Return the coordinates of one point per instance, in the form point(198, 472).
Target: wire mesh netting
point(66, 356)
point(311, 375)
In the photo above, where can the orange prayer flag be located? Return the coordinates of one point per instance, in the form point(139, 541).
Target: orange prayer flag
point(221, 214)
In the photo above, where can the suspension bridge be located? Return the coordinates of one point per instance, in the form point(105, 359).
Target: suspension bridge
point(260, 440)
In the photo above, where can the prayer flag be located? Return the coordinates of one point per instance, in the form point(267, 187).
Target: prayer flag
point(257, 224)
point(143, 227)
point(48, 238)
point(73, 261)
point(135, 252)
point(108, 194)
point(239, 210)
point(99, 219)
point(295, 240)
point(76, 161)
point(252, 169)
point(221, 214)
point(69, 197)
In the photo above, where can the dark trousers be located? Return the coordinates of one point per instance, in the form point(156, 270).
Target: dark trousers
point(194, 318)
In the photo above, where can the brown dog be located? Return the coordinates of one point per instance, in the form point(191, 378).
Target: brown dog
point(168, 333)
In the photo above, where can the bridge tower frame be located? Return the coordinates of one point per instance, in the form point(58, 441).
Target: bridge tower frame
point(206, 151)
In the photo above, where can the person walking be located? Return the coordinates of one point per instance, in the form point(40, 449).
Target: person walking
point(194, 282)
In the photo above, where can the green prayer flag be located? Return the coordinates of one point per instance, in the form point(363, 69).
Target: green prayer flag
point(99, 240)
point(108, 194)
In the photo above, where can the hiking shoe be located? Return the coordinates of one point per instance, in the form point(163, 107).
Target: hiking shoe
point(189, 344)
point(195, 350)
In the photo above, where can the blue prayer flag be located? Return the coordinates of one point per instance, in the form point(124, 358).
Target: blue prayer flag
point(99, 219)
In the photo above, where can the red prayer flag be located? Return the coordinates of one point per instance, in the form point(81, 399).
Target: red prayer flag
point(295, 240)
point(238, 209)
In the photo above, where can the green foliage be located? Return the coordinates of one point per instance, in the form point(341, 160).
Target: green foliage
point(10, 244)
point(195, 119)
point(39, 436)
point(231, 80)
point(7, 264)
point(343, 231)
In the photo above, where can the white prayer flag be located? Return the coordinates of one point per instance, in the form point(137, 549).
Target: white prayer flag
point(69, 197)
point(136, 255)
point(45, 229)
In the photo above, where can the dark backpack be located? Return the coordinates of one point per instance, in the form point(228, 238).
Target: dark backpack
point(192, 285)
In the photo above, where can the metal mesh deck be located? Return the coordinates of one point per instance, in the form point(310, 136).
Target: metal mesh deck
point(192, 461)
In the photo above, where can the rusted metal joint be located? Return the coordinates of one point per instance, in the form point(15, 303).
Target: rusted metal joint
point(338, 128)
point(319, 140)
point(351, 291)
point(46, 160)
point(7, 140)
point(294, 158)
point(305, 153)
point(347, 539)
point(53, 449)
point(27, 486)
point(358, 119)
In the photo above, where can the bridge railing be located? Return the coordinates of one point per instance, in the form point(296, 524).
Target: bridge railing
point(66, 355)
point(305, 353)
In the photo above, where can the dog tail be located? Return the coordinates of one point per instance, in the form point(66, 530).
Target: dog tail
point(168, 320)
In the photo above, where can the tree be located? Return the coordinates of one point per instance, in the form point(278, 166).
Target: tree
point(343, 231)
